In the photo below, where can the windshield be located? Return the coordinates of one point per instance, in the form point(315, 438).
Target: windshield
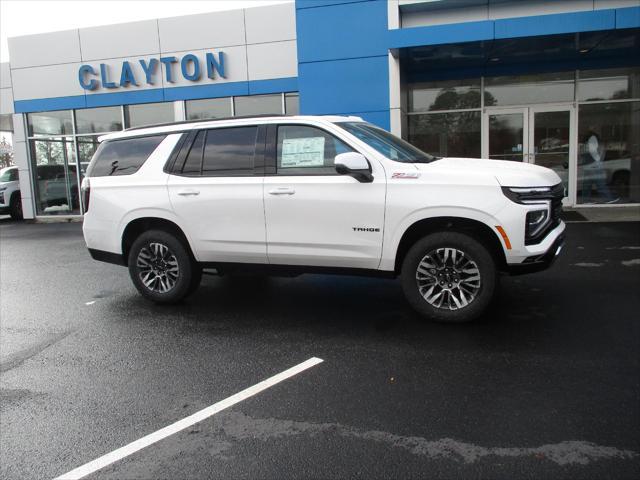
point(387, 144)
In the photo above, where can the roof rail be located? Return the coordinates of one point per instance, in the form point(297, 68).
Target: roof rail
point(201, 120)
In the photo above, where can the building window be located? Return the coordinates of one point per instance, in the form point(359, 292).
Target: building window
point(6, 122)
point(148, 114)
point(447, 134)
point(258, 104)
point(612, 84)
point(208, 108)
point(609, 153)
point(445, 95)
point(529, 89)
point(50, 123)
point(96, 120)
point(292, 103)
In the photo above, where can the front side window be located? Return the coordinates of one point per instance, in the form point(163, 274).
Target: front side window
point(307, 150)
point(123, 157)
point(388, 145)
point(229, 151)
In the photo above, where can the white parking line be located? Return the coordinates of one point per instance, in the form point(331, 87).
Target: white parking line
point(90, 303)
point(169, 430)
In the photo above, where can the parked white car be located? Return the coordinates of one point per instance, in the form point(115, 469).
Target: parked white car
point(10, 202)
point(316, 194)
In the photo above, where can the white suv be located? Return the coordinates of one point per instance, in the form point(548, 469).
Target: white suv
point(289, 195)
point(10, 202)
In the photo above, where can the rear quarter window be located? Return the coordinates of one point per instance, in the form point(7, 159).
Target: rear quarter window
point(122, 157)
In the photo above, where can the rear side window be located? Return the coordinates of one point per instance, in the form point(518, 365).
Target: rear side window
point(122, 157)
point(193, 162)
point(229, 151)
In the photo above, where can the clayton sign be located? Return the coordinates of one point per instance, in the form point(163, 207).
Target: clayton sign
point(91, 78)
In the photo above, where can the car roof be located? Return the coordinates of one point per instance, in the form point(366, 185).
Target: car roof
point(175, 127)
point(10, 167)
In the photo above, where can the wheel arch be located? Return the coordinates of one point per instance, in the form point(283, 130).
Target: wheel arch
point(137, 226)
point(478, 230)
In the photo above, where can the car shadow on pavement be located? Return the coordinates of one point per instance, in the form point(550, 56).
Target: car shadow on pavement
point(327, 306)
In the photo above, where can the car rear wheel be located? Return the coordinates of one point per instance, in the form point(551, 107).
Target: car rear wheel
point(449, 277)
point(15, 207)
point(161, 268)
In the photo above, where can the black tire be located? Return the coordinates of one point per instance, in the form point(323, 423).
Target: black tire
point(483, 290)
point(181, 282)
point(15, 206)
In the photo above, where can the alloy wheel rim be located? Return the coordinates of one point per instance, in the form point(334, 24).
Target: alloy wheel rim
point(158, 268)
point(448, 278)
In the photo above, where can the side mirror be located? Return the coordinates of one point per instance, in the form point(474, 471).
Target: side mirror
point(355, 165)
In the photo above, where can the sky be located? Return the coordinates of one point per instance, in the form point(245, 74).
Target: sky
point(25, 17)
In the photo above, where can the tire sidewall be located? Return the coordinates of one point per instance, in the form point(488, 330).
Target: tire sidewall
point(185, 264)
point(475, 250)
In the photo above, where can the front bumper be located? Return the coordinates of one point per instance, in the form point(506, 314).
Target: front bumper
point(538, 263)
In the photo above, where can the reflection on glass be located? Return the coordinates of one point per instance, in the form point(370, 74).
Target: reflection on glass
point(505, 136)
point(292, 103)
point(444, 95)
point(95, 120)
point(56, 182)
point(527, 89)
point(50, 123)
point(551, 142)
point(208, 108)
point(148, 114)
point(446, 134)
point(609, 153)
point(6, 122)
point(611, 84)
point(258, 104)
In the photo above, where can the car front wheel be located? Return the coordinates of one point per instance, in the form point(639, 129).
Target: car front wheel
point(449, 277)
point(161, 268)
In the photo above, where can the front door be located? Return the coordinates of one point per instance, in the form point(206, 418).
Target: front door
point(315, 216)
point(543, 135)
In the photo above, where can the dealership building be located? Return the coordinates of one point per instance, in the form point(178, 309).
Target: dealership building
point(555, 83)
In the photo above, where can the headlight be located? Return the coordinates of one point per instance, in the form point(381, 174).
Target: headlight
point(2, 189)
point(536, 221)
point(527, 195)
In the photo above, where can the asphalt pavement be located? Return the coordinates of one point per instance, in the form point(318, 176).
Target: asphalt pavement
point(545, 385)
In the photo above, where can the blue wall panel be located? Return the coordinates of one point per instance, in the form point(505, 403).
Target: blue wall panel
point(123, 98)
point(325, 3)
point(344, 86)
point(43, 104)
point(341, 31)
point(441, 34)
point(628, 17)
point(343, 65)
point(555, 24)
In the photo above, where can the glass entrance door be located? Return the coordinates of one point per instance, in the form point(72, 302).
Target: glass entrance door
point(544, 135)
point(506, 134)
point(552, 143)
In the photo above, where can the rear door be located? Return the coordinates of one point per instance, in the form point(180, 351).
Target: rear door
point(314, 216)
point(216, 188)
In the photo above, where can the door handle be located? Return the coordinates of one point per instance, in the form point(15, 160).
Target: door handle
point(282, 191)
point(186, 193)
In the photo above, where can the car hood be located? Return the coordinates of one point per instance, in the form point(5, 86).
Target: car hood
point(507, 173)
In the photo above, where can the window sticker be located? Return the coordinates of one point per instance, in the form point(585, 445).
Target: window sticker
point(302, 152)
